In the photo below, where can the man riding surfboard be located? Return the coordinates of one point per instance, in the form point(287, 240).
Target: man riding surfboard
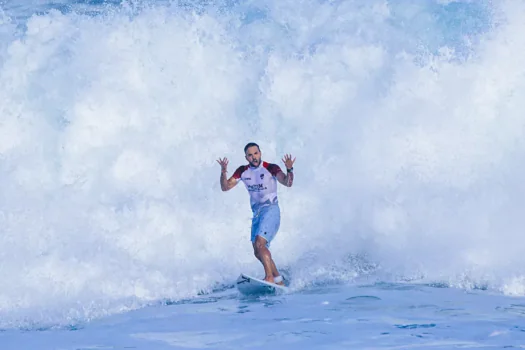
point(260, 179)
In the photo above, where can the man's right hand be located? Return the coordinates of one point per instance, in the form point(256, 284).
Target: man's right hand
point(226, 184)
point(224, 164)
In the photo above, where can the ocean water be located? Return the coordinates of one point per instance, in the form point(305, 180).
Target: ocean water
point(403, 229)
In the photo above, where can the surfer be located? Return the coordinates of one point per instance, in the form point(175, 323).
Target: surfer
point(260, 179)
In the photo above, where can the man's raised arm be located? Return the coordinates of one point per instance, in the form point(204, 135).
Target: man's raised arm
point(226, 184)
point(287, 180)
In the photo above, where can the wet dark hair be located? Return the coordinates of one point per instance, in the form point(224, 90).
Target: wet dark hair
point(251, 144)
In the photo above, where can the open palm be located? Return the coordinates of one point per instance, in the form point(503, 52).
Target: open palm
point(224, 163)
point(288, 161)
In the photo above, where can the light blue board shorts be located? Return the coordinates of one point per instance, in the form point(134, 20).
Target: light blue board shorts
point(266, 222)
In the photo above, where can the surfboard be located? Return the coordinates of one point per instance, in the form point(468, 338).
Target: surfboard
point(249, 285)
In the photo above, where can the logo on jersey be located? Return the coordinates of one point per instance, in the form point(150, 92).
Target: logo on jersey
point(262, 176)
point(256, 188)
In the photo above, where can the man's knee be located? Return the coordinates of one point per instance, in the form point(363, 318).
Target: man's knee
point(259, 246)
point(260, 241)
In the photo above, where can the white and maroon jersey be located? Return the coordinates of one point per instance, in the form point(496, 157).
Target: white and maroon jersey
point(260, 183)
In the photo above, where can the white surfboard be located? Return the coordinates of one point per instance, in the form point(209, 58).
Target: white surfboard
point(249, 285)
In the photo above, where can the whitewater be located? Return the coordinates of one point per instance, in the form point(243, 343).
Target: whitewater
point(404, 226)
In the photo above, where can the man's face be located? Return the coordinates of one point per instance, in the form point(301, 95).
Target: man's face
point(253, 156)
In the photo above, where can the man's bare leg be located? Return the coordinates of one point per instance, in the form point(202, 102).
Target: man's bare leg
point(265, 257)
point(276, 273)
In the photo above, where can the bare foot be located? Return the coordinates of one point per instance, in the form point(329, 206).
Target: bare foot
point(269, 280)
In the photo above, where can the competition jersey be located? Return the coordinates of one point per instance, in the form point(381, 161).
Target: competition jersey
point(260, 183)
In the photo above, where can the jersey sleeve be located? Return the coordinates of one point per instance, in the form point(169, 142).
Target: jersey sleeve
point(274, 169)
point(237, 174)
